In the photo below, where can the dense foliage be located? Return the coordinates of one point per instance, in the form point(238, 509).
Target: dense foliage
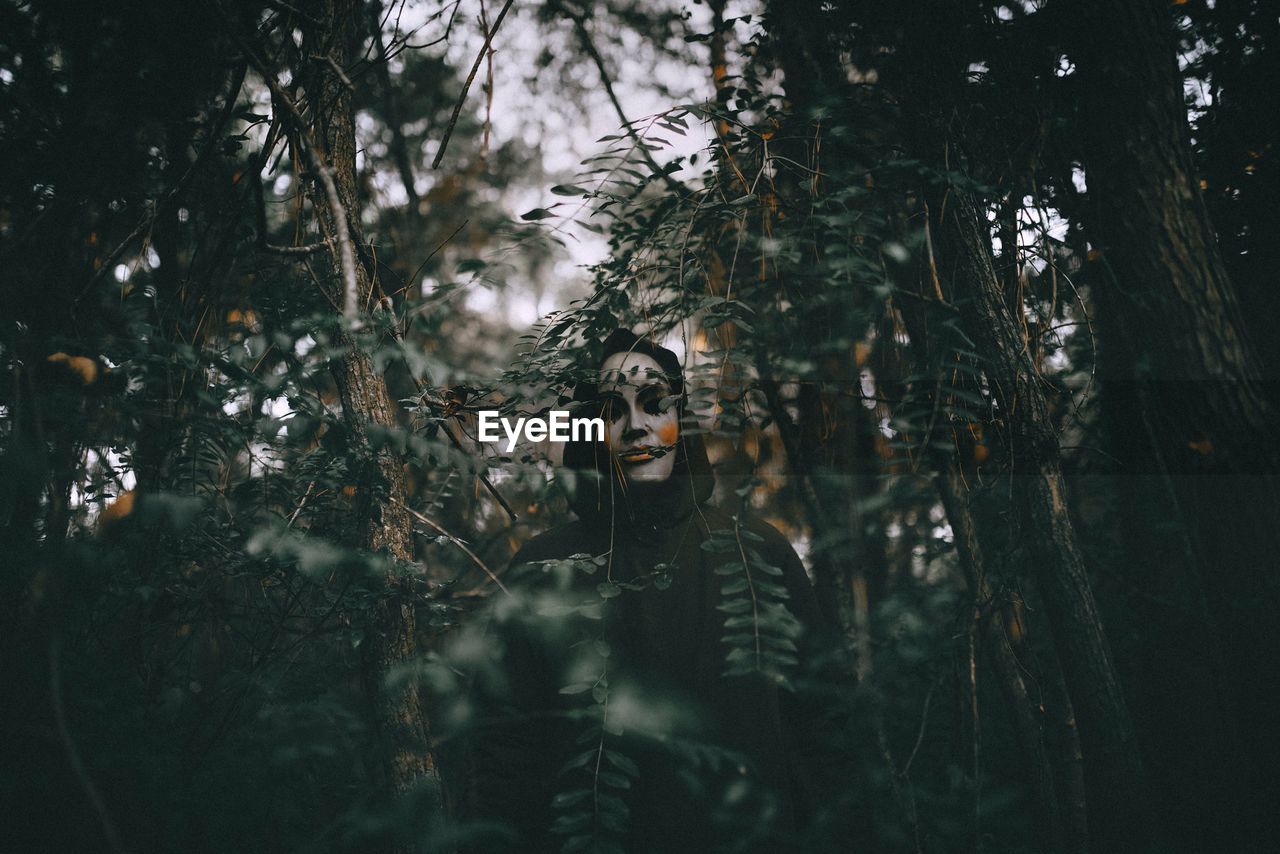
point(255, 558)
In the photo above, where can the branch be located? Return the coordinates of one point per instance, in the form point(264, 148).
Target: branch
point(475, 66)
point(399, 147)
point(288, 251)
point(337, 69)
point(316, 163)
point(295, 251)
point(580, 25)
point(460, 544)
point(414, 277)
point(351, 288)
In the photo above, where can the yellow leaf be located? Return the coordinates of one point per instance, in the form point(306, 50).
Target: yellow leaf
point(116, 511)
point(85, 368)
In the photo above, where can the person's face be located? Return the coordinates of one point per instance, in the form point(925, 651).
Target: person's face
point(640, 429)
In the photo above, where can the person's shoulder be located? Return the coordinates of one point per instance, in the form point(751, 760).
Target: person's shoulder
point(772, 541)
point(761, 536)
point(557, 560)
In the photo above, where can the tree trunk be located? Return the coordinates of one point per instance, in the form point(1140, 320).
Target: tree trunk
point(1060, 816)
point(1187, 412)
point(1045, 730)
point(811, 65)
point(1120, 810)
point(381, 521)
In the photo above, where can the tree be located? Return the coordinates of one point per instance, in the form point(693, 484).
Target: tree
point(1188, 413)
point(251, 306)
point(929, 48)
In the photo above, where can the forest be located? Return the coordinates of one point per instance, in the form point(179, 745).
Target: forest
point(938, 333)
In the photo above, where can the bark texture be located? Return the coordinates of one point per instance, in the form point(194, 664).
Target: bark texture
point(1061, 816)
point(1187, 410)
point(381, 521)
point(1120, 812)
point(1045, 726)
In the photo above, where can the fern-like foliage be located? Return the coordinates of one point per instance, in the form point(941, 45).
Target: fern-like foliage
point(759, 630)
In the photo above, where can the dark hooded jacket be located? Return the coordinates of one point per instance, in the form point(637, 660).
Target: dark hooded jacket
point(709, 761)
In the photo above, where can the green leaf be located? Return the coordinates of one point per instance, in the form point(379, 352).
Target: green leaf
point(579, 761)
point(622, 763)
point(617, 781)
point(569, 798)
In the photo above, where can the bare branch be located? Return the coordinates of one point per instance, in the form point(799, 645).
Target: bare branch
point(351, 289)
point(475, 66)
point(295, 251)
point(316, 162)
point(337, 69)
point(460, 544)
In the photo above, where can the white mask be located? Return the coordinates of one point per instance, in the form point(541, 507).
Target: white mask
point(641, 424)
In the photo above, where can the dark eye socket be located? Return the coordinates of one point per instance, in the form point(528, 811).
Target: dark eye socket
point(611, 406)
point(650, 399)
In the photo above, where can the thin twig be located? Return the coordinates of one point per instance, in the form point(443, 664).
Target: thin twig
point(924, 720)
point(399, 147)
point(288, 251)
point(580, 25)
point(475, 66)
point(431, 255)
point(303, 503)
point(316, 162)
point(337, 69)
point(488, 86)
point(460, 544)
point(295, 251)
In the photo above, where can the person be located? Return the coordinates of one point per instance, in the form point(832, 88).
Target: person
point(648, 708)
